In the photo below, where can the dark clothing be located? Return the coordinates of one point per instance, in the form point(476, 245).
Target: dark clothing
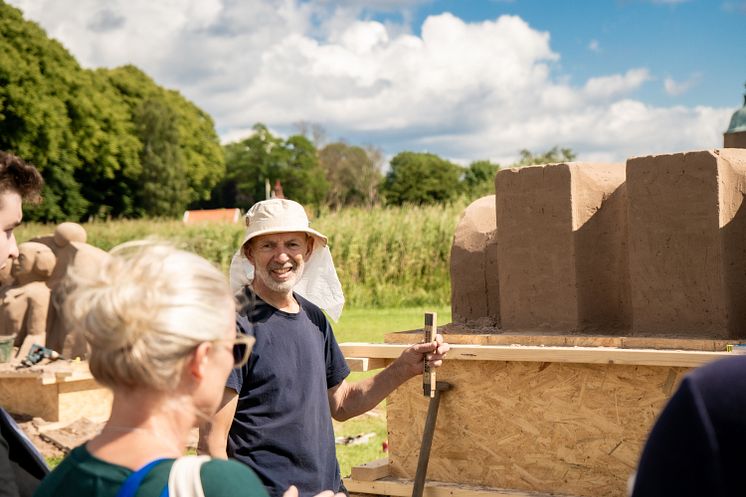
point(81, 474)
point(21, 465)
point(698, 444)
point(283, 427)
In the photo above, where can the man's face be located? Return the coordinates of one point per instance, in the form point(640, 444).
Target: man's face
point(24, 263)
point(278, 260)
point(10, 217)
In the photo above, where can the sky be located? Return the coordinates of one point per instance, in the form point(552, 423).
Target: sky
point(464, 79)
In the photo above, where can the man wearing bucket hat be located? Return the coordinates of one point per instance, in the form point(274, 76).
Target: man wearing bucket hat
point(277, 410)
point(21, 466)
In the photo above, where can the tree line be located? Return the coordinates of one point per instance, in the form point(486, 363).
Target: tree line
point(111, 143)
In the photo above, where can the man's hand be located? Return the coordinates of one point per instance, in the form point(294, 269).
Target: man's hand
point(292, 491)
point(411, 362)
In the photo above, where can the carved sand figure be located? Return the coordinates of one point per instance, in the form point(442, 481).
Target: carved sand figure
point(25, 304)
point(68, 242)
point(6, 281)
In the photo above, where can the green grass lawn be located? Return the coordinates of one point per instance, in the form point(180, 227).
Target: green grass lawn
point(370, 325)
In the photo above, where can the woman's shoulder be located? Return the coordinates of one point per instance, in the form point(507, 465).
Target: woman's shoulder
point(227, 477)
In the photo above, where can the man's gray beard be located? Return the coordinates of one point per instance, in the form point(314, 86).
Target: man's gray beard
point(275, 286)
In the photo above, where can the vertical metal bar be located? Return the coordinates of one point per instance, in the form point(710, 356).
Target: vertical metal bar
point(427, 438)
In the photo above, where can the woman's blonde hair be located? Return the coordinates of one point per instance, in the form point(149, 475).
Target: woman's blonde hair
point(144, 310)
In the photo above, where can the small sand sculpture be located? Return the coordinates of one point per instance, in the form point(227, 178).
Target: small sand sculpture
point(68, 242)
point(25, 303)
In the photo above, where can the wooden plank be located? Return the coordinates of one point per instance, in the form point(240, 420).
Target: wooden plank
point(359, 364)
point(577, 355)
point(429, 378)
point(395, 487)
point(371, 471)
point(474, 335)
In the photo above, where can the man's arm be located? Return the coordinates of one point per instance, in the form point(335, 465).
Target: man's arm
point(348, 400)
point(213, 434)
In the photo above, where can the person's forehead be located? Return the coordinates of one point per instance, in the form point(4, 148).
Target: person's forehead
point(279, 237)
point(10, 208)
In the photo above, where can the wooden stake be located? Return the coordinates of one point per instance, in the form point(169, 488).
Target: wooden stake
point(428, 375)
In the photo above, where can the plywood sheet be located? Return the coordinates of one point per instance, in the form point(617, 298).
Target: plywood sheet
point(575, 429)
point(397, 487)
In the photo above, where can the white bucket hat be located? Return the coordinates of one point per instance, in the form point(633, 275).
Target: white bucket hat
point(319, 282)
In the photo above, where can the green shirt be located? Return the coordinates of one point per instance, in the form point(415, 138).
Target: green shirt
point(82, 474)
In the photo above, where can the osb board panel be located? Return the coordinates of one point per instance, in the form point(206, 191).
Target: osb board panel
point(456, 334)
point(29, 396)
point(83, 398)
point(395, 487)
point(572, 429)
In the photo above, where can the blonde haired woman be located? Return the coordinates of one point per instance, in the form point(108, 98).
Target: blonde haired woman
point(160, 324)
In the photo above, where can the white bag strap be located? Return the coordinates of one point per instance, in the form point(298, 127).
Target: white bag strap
point(184, 479)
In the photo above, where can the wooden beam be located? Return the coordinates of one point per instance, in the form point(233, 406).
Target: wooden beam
point(395, 487)
point(521, 353)
point(358, 364)
point(371, 471)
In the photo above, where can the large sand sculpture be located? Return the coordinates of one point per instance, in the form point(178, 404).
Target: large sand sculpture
point(656, 248)
point(581, 295)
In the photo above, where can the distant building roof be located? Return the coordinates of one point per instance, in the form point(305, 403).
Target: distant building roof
point(221, 215)
point(738, 121)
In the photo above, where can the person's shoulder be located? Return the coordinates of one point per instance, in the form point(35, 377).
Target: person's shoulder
point(314, 312)
point(251, 309)
point(227, 477)
point(732, 369)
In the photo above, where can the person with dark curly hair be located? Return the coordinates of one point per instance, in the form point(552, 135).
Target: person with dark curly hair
point(21, 467)
point(19, 181)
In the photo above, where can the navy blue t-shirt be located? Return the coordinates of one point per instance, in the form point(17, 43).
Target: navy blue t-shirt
point(283, 427)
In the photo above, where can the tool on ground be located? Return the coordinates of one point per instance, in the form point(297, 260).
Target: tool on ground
point(35, 355)
point(433, 389)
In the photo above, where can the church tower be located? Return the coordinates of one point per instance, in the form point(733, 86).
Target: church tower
point(735, 137)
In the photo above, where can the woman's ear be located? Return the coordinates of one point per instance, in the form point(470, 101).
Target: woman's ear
point(198, 360)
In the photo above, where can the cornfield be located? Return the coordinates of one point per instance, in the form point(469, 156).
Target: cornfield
point(388, 257)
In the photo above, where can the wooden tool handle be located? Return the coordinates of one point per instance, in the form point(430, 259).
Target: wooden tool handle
point(428, 375)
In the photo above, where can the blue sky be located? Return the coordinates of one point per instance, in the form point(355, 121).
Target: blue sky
point(466, 80)
point(698, 44)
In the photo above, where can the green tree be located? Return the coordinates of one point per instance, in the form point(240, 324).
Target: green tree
point(263, 157)
point(83, 128)
point(250, 163)
point(55, 114)
point(421, 178)
point(163, 185)
point(353, 174)
point(479, 178)
point(552, 156)
point(201, 164)
point(300, 172)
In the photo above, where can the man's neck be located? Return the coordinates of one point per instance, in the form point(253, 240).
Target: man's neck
point(282, 301)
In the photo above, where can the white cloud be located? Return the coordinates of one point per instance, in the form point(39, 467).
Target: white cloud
point(594, 46)
point(675, 88)
point(462, 90)
point(617, 84)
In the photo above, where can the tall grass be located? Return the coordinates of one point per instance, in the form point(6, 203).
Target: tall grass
point(387, 257)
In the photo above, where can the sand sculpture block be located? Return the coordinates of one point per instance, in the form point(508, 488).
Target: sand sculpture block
point(562, 248)
point(475, 292)
point(687, 250)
